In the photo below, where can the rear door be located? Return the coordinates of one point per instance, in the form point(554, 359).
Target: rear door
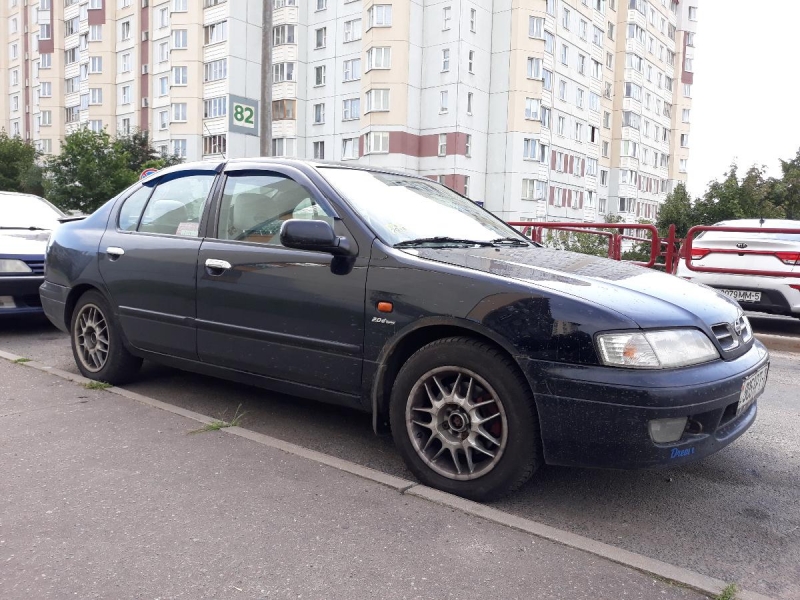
point(148, 260)
point(291, 315)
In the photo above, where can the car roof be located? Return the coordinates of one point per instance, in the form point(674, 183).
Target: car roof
point(317, 164)
point(21, 195)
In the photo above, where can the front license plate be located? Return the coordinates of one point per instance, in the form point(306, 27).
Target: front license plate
point(752, 388)
point(743, 295)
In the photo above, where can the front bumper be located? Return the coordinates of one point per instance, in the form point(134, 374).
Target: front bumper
point(593, 416)
point(24, 289)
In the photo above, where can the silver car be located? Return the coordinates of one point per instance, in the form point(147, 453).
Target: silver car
point(778, 252)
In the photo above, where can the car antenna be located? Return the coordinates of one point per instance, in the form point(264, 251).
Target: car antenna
point(209, 133)
point(762, 221)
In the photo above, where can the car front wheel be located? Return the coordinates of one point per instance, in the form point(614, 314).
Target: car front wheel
point(464, 419)
point(97, 343)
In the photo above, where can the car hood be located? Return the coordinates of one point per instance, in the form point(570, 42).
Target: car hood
point(27, 244)
point(646, 296)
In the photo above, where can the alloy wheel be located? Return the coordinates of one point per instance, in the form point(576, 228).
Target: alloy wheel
point(91, 338)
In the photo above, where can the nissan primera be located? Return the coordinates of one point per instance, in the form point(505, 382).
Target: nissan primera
point(483, 353)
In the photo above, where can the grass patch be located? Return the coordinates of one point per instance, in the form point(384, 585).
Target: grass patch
point(729, 593)
point(217, 425)
point(21, 361)
point(97, 385)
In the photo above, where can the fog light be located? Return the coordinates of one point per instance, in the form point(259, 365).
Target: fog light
point(664, 431)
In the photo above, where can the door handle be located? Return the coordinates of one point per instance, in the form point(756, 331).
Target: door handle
point(114, 252)
point(216, 266)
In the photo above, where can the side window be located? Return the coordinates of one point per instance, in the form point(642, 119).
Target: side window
point(255, 206)
point(132, 209)
point(176, 206)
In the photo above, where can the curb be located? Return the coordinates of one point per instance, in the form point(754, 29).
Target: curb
point(704, 584)
point(779, 343)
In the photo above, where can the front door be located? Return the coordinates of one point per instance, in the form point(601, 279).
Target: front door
point(148, 261)
point(263, 308)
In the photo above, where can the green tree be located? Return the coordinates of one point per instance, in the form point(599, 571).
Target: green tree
point(141, 154)
point(583, 243)
point(19, 171)
point(89, 171)
point(786, 191)
point(734, 198)
point(677, 209)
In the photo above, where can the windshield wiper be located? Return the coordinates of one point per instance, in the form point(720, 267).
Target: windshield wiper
point(510, 240)
point(440, 240)
point(31, 228)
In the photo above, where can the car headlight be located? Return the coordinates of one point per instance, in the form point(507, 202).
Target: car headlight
point(9, 265)
point(665, 349)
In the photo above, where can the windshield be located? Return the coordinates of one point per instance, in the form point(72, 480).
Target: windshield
point(402, 209)
point(27, 212)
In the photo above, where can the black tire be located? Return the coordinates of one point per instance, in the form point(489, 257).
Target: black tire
point(119, 365)
point(521, 456)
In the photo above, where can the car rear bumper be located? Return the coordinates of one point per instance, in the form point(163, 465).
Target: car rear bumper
point(777, 297)
point(54, 302)
point(25, 292)
point(589, 418)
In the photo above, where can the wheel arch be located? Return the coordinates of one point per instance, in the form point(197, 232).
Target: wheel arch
point(405, 343)
point(75, 294)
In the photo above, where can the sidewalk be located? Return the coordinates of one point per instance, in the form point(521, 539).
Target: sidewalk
point(104, 497)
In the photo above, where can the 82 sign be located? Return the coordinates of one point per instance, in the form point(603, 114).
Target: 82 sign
point(244, 116)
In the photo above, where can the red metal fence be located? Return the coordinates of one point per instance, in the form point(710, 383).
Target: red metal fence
point(670, 248)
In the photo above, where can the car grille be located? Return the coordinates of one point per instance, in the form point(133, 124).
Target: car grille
point(37, 266)
point(727, 336)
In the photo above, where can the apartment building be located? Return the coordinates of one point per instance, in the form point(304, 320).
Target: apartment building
point(539, 109)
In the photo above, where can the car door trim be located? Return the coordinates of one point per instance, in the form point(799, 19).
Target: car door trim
point(129, 311)
point(287, 339)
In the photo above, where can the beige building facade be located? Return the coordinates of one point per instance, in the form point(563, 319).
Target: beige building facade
point(539, 109)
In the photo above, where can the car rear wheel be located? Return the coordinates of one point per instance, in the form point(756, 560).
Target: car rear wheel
point(464, 419)
point(97, 344)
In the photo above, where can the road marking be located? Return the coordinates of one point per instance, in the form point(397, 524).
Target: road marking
point(704, 584)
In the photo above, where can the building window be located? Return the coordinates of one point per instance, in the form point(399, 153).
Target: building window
point(446, 17)
point(352, 69)
point(45, 61)
point(180, 39)
point(547, 79)
point(565, 18)
point(45, 89)
point(218, 107)
point(163, 52)
point(684, 165)
point(215, 70)
point(46, 118)
point(468, 146)
point(443, 101)
point(71, 26)
point(605, 149)
point(561, 124)
point(684, 140)
point(163, 86)
point(466, 185)
point(578, 132)
point(45, 32)
point(283, 34)
point(534, 68)
point(319, 150)
point(693, 13)
point(163, 119)
point(549, 42)
point(283, 146)
point(319, 76)
point(687, 90)
point(536, 27)
point(379, 15)
point(125, 97)
point(532, 106)
point(603, 177)
point(377, 142)
point(562, 89)
point(215, 33)
point(282, 72)
point(163, 17)
point(473, 19)
point(685, 115)
point(125, 30)
point(581, 64)
point(319, 114)
point(349, 148)
point(351, 109)
point(125, 63)
point(322, 5)
point(96, 64)
point(579, 96)
point(284, 110)
point(594, 102)
point(610, 31)
point(533, 189)
point(179, 112)
point(471, 61)
point(71, 55)
point(442, 144)
point(215, 144)
point(95, 96)
point(583, 29)
point(377, 101)
point(180, 6)
point(352, 30)
point(545, 117)
point(320, 37)
point(564, 54)
point(95, 33)
point(445, 60)
point(379, 58)
point(180, 75)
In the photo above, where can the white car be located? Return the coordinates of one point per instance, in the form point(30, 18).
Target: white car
point(779, 252)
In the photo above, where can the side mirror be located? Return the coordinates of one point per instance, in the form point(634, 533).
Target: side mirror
point(318, 236)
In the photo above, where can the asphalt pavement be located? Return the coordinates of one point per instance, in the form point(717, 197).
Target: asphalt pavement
point(734, 516)
point(104, 497)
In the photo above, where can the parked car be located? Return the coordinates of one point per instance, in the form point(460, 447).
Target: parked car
point(779, 252)
point(26, 222)
point(483, 353)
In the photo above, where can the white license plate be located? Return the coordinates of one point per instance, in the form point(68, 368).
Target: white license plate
point(752, 388)
point(743, 296)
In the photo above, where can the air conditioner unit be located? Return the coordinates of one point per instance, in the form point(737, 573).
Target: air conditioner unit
point(145, 36)
point(145, 102)
point(145, 69)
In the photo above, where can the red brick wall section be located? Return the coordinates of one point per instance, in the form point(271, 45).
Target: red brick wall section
point(48, 46)
point(361, 144)
point(97, 16)
point(420, 146)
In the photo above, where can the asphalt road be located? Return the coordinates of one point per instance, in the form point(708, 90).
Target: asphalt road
point(735, 515)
